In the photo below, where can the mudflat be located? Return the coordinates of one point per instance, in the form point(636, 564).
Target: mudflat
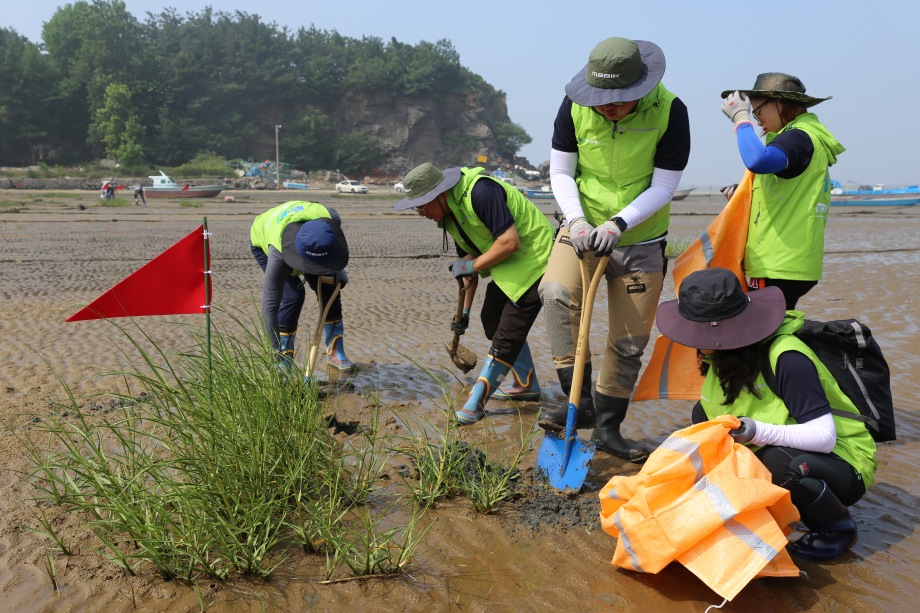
point(60, 250)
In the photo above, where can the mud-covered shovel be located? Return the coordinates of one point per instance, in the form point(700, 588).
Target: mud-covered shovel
point(462, 357)
point(565, 461)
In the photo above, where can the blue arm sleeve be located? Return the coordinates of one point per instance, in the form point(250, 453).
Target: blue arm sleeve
point(758, 158)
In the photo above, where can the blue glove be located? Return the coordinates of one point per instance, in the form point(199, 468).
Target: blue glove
point(462, 268)
point(580, 235)
point(746, 432)
point(605, 238)
point(341, 277)
point(459, 327)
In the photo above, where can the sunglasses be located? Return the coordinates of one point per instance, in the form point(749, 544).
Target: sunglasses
point(756, 110)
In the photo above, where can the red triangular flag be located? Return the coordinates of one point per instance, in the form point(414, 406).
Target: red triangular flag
point(170, 284)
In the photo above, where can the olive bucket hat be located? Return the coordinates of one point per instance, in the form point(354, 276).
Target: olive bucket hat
point(713, 312)
point(779, 85)
point(618, 70)
point(424, 183)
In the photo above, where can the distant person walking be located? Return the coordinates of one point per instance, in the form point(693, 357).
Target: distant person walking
point(293, 239)
point(792, 186)
point(620, 143)
point(499, 233)
point(139, 195)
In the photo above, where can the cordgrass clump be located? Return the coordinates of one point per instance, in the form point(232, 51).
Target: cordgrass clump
point(223, 464)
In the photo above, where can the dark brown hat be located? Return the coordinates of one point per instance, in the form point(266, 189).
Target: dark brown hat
point(713, 312)
point(779, 85)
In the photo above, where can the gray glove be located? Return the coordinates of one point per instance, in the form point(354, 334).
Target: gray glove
point(580, 235)
point(746, 432)
point(605, 238)
point(737, 107)
point(341, 277)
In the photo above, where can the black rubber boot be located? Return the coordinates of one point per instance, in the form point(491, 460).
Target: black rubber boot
point(610, 414)
point(831, 529)
point(553, 420)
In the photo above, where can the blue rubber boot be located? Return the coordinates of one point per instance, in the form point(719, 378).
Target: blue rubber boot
point(286, 338)
point(831, 529)
point(333, 335)
point(490, 377)
point(526, 386)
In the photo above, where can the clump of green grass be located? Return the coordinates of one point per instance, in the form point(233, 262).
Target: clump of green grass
point(190, 203)
point(676, 246)
point(222, 461)
point(116, 201)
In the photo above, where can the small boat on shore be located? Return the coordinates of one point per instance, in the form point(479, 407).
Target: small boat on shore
point(543, 192)
point(164, 187)
point(295, 185)
point(680, 194)
point(875, 196)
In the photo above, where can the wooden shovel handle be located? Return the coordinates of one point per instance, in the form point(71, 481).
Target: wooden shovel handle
point(461, 294)
point(588, 292)
point(324, 312)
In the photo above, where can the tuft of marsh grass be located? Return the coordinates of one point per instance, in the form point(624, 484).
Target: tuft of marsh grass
point(221, 462)
point(115, 202)
point(185, 203)
point(676, 246)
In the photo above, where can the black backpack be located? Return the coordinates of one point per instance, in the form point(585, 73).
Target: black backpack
point(849, 352)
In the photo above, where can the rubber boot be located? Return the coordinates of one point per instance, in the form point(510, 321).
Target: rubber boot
point(286, 338)
point(490, 377)
point(526, 386)
point(611, 412)
point(333, 335)
point(831, 529)
point(553, 420)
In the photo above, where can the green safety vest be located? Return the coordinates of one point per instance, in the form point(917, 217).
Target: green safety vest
point(854, 443)
point(516, 274)
point(786, 229)
point(268, 227)
point(616, 161)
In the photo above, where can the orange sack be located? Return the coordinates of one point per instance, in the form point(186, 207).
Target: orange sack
point(672, 372)
point(707, 502)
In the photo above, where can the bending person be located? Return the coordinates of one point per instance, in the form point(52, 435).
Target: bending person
point(499, 233)
point(792, 187)
point(825, 460)
point(293, 239)
point(620, 143)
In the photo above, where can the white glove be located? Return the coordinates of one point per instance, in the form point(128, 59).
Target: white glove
point(580, 235)
point(737, 107)
point(605, 238)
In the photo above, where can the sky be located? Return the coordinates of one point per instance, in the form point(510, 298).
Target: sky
point(864, 54)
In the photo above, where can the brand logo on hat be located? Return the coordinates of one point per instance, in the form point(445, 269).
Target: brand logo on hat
point(606, 75)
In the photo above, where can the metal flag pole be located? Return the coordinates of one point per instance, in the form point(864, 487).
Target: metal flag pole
point(207, 299)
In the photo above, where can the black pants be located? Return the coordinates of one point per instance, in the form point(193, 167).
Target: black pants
point(293, 296)
point(795, 470)
point(507, 323)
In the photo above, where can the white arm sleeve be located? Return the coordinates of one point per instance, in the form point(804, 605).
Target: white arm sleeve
point(818, 435)
point(659, 193)
point(562, 179)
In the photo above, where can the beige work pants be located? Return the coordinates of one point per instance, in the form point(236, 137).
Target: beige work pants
point(634, 278)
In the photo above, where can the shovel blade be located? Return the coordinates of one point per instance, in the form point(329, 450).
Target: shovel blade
point(565, 461)
point(463, 358)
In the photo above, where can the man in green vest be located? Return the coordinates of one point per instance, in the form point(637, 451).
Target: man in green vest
point(499, 233)
point(620, 143)
point(289, 241)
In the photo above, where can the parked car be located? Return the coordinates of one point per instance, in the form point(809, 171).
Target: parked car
point(354, 187)
point(399, 187)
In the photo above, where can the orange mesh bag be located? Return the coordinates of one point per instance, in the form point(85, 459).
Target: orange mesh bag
point(672, 371)
point(706, 502)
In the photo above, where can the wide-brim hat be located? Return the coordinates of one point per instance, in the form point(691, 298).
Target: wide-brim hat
point(426, 182)
point(779, 85)
point(713, 312)
point(316, 247)
point(618, 70)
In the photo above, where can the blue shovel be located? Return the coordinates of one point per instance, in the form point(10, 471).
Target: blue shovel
point(565, 462)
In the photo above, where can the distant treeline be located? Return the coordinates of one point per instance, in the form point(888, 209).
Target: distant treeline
point(103, 84)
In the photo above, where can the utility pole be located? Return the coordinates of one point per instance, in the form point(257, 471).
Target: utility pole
point(277, 161)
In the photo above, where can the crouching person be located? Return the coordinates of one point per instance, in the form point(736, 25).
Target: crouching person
point(825, 459)
point(499, 233)
point(289, 241)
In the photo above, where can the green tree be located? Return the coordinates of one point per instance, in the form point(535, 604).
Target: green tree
point(511, 137)
point(357, 153)
point(115, 127)
point(305, 142)
point(25, 124)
